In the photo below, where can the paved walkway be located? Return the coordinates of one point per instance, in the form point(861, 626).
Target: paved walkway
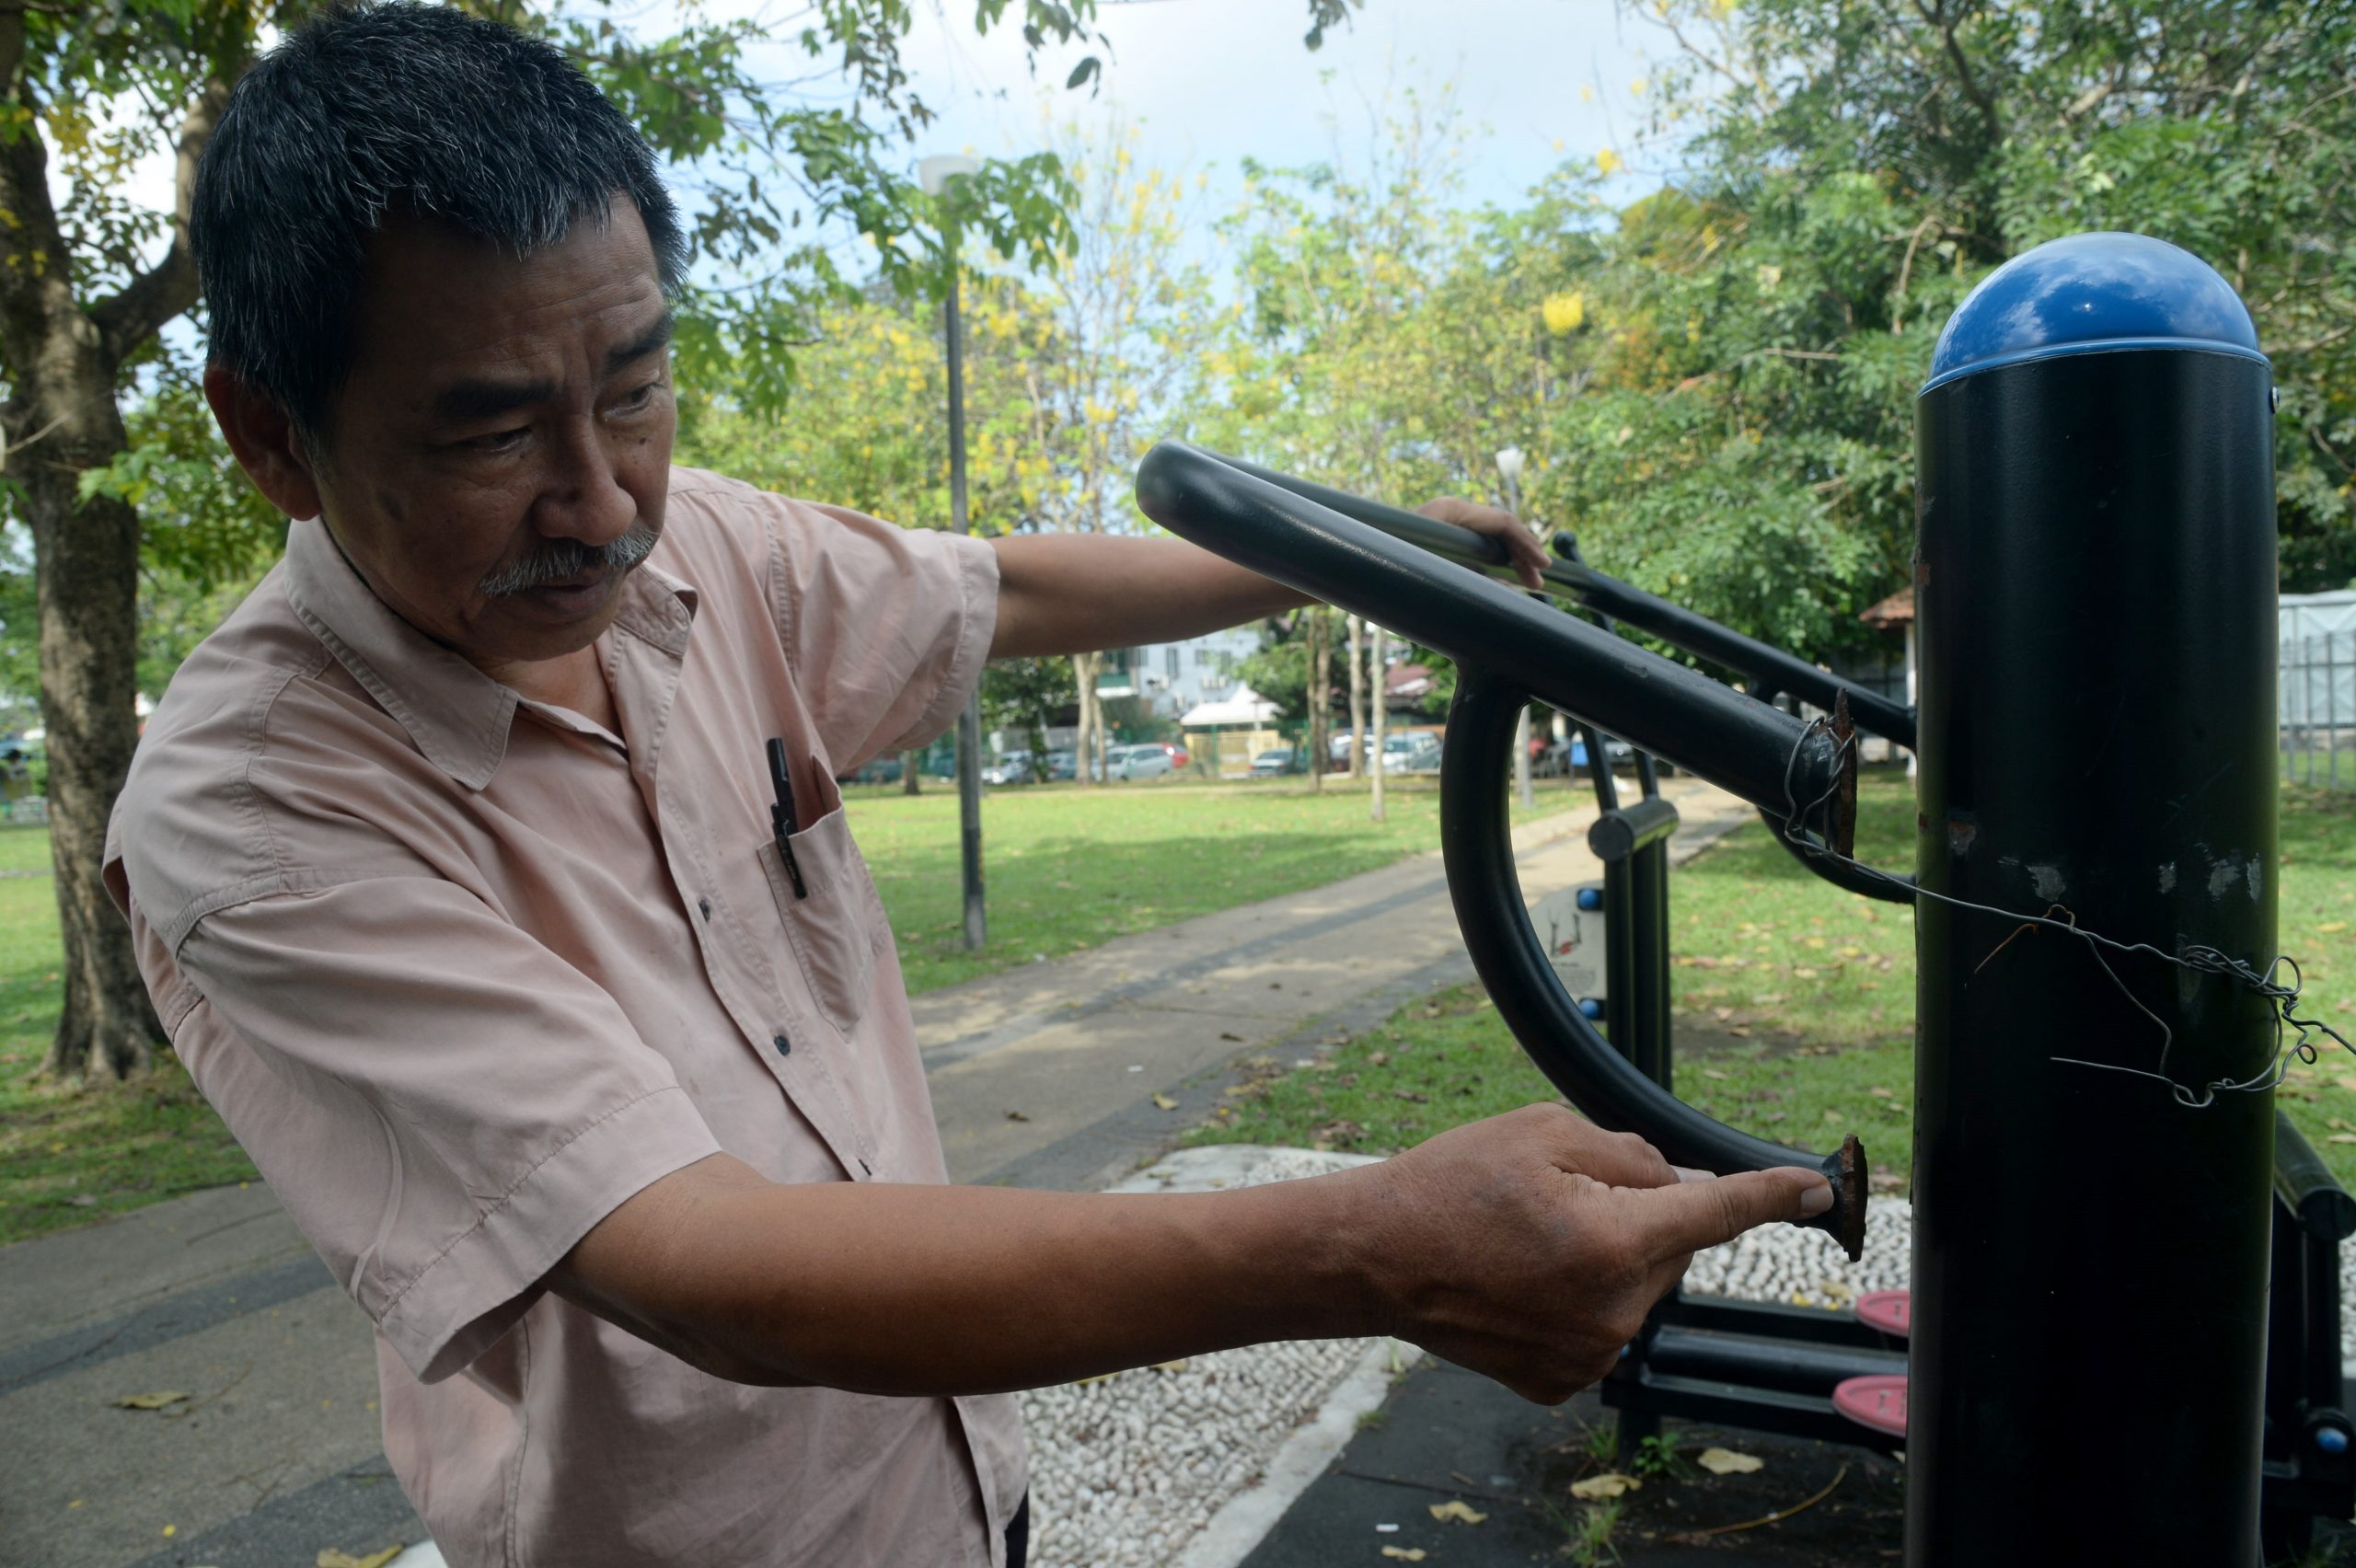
point(1042, 1077)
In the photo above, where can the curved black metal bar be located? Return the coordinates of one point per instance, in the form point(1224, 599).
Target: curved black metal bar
point(1476, 839)
point(1765, 756)
point(1672, 623)
point(1705, 638)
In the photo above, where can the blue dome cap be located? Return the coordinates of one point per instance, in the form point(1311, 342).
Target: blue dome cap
point(2089, 294)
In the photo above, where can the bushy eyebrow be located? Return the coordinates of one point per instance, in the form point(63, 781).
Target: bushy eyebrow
point(654, 338)
point(468, 401)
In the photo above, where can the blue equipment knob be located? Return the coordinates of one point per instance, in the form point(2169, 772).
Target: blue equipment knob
point(2093, 294)
point(1590, 1008)
point(2332, 1439)
point(1591, 898)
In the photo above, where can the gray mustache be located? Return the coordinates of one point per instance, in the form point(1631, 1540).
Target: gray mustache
point(560, 558)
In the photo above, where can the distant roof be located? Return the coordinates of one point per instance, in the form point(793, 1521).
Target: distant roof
point(1406, 680)
point(1246, 707)
point(1896, 610)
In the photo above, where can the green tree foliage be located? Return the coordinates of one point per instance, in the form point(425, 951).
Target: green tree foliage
point(1025, 695)
point(1849, 173)
point(867, 427)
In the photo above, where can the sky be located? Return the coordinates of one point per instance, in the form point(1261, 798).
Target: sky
point(1207, 83)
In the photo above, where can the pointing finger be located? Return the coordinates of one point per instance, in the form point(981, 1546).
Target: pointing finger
point(1689, 1216)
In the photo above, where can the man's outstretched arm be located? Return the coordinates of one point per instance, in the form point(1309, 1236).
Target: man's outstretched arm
point(1527, 1248)
point(1077, 592)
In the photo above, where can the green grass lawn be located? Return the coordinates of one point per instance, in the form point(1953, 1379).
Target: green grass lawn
point(68, 1158)
point(1067, 867)
point(1795, 1009)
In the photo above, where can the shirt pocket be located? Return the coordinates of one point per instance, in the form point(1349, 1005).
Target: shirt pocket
point(831, 929)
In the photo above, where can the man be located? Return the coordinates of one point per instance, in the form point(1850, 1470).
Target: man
point(486, 871)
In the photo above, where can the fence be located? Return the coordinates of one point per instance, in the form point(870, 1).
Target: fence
point(2318, 709)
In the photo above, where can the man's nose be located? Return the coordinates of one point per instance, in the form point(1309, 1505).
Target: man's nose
point(583, 496)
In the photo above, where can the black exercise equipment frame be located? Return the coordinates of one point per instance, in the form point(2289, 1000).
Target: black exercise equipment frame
point(1701, 1358)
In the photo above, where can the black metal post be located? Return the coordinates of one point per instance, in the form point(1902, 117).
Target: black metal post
point(2096, 592)
point(969, 720)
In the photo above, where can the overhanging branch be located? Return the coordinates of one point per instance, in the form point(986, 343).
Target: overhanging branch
point(128, 318)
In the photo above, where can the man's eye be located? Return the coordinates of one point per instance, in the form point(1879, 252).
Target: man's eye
point(497, 440)
point(639, 397)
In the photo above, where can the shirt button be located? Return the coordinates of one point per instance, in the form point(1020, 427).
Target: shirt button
point(784, 1046)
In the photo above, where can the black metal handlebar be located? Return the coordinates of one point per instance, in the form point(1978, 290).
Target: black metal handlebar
point(1567, 577)
point(1767, 758)
point(1508, 651)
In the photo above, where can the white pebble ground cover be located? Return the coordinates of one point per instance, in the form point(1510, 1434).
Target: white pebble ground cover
point(1126, 1471)
point(1807, 1268)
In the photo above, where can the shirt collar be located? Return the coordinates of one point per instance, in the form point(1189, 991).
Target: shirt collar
point(458, 717)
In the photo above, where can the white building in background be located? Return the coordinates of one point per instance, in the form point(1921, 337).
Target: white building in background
point(1172, 678)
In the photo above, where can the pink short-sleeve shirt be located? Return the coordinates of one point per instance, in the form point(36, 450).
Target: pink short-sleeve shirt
point(463, 972)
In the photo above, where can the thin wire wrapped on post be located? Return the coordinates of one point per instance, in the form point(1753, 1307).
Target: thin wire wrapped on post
point(2201, 959)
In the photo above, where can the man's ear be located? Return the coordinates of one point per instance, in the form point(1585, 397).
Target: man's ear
point(263, 438)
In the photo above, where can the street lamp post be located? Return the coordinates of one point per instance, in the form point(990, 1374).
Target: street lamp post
point(934, 174)
point(1509, 466)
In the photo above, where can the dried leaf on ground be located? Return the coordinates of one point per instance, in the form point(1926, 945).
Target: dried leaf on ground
point(1177, 1365)
point(1727, 1461)
point(150, 1401)
point(331, 1558)
point(1163, 1102)
point(1404, 1553)
point(1612, 1483)
point(2340, 1139)
point(1461, 1513)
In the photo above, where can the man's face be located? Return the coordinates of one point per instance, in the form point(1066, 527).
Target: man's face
point(498, 458)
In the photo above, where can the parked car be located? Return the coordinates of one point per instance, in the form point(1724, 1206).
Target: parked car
point(1619, 754)
point(1417, 752)
point(1062, 765)
point(1149, 760)
point(1008, 767)
point(1279, 760)
point(885, 769)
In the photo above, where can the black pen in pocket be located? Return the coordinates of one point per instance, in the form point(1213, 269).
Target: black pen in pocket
point(781, 816)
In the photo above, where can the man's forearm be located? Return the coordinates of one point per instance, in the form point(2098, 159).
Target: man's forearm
point(1528, 1247)
point(921, 1290)
point(1078, 593)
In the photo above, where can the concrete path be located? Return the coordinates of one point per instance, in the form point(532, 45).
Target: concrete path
point(1042, 1077)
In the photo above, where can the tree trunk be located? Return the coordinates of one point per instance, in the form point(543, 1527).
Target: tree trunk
point(1381, 716)
point(1357, 690)
point(1321, 674)
point(60, 423)
point(1084, 669)
point(87, 565)
point(909, 784)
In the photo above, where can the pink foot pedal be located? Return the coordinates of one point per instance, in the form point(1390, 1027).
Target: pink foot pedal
point(1879, 1402)
point(1891, 1311)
